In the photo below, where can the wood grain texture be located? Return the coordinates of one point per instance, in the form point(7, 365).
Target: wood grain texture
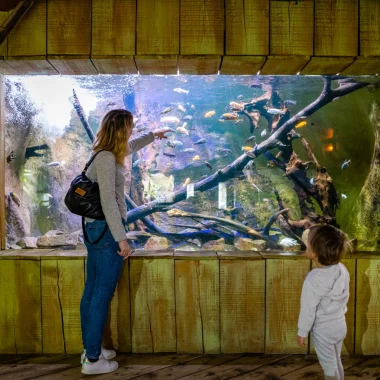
point(31, 65)
point(242, 306)
point(162, 65)
point(75, 65)
point(6, 69)
point(239, 65)
point(20, 307)
point(284, 280)
point(157, 27)
point(152, 305)
point(202, 27)
point(113, 27)
point(115, 65)
point(69, 27)
point(326, 65)
point(363, 66)
point(369, 27)
point(284, 65)
point(28, 38)
point(247, 27)
point(2, 161)
point(367, 335)
point(4, 45)
point(197, 306)
point(291, 27)
point(199, 65)
point(336, 28)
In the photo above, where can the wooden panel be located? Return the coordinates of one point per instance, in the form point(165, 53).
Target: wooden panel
point(369, 27)
point(31, 66)
point(291, 27)
point(20, 306)
point(29, 35)
point(236, 65)
point(73, 65)
point(242, 305)
point(6, 69)
point(2, 162)
point(284, 280)
point(247, 27)
point(202, 27)
point(199, 65)
point(113, 27)
point(4, 45)
point(119, 65)
point(69, 27)
point(284, 65)
point(367, 335)
point(152, 305)
point(336, 28)
point(197, 306)
point(164, 65)
point(326, 65)
point(363, 66)
point(157, 27)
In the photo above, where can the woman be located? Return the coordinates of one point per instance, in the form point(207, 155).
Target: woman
point(105, 258)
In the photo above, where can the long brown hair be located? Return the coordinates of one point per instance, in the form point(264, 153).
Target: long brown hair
point(114, 132)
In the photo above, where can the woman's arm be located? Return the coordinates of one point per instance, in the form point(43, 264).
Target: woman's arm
point(145, 139)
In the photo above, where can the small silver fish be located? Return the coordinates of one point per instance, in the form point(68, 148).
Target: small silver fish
point(288, 242)
point(251, 138)
point(200, 141)
point(171, 155)
point(275, 111)
point(344, 196)
point(240, 97)
point(312, 181)
point(111, 104)
point(166, 110)
point(293, 102)
point(55, 163)
point(264, 133)
point(189, 150)
point(180, 90)
point(187, 117)
point(346, 164)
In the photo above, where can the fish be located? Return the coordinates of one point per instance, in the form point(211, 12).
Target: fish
point(208, 165)
point(236, 106)
point(312, 182)
point(183, 130)
point(210, 113)
point(200, 141)
point(288, 242)
point(181, 108)
point(240, 97)
point(171, 155)
point(246, 148)
point(251, 138)
point(180, 90)
point(178, 144)
point(239, 121)
point(293, 102)
point(184, 125)
point(189, 150)
point(169, 119)
point(166, 110)
point(196, 158)
point(229, 116)
point(346, 164)
point(275, 111)
point(301, 124)
point(55, 163)
point(224, 150)
point(220, 121)
point(138, 162)
point(192, 107)
point(111, 104)
point(15, 198)
point(263, 133)
point(187, 117)
point(170, 144)
point(186, 182)
point(255, 85)
point(344, 196)
point(250, 154)
point(11, 157)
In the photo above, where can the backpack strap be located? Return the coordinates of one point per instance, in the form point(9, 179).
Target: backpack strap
point(91, 159)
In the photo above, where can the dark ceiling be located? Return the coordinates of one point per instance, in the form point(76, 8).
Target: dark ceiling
point(7, 5)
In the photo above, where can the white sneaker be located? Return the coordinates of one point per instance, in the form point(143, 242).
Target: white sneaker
point(107, 354)
point(101, 366)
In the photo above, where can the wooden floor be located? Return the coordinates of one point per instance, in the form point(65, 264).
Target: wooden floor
point(173, 366)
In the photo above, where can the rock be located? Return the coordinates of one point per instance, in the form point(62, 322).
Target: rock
point(195, 241)
point(54, 233)
point(28, 242)
point(156, 243)
point(245, 244)
point(228, 247)
point(15, 246)
point(187, 247)
point(213, 245)
point(57, 240)
point(293, 248)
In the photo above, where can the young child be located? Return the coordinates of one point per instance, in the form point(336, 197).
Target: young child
point(324, 298)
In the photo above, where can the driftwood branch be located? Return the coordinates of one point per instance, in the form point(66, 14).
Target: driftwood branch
point(82, 117)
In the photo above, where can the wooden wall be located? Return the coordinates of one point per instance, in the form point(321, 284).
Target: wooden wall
point(189, 302)
point(195, 37)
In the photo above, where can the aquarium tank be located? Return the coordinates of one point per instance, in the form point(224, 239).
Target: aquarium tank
point(251, 162)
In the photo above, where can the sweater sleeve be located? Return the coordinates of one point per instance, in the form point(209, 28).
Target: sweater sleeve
point(106, 173)
point(309, 303)
point(140, 142)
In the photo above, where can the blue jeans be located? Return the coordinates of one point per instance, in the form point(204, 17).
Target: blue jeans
point(103, 271)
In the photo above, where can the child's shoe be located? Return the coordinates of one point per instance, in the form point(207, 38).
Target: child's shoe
point(101, 366)
point(108, 354)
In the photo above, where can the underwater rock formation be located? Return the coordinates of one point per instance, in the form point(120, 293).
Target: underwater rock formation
point(244, 244)
point(156, 243)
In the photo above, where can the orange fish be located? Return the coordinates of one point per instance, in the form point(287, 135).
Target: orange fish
point(229, 116)
point(328, 148)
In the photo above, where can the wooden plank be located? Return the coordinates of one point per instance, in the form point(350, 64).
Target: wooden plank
point(2, 163)
point(284, 280)
point(75, 65)
point(195, 255)
point(239, 65)
point(69, 27)
point(242, 283)
point(152, 305)
point(115, 65)
point(20, 311)
point(157, 27)
point(326, 65)
point(113, 27)
point(164, 65)
point(369, 369)
point(247, 27)
point(284, 255)
point(199, 65)
point(363, 66)
point(28, 38)
point(239, 255)
point(197, 306)
point(202, 27)
point(336, 28)
point(284, 65)
point(367, 336)
point(159, 254)
point(6, 69)
point(369, 27)
point(31, 65)
point(291, 27)
point(4, 45)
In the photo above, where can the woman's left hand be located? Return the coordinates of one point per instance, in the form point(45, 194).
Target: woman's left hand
point(160, 133)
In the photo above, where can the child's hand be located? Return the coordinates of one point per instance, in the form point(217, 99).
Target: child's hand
point(160, 133)
point(301, 341)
